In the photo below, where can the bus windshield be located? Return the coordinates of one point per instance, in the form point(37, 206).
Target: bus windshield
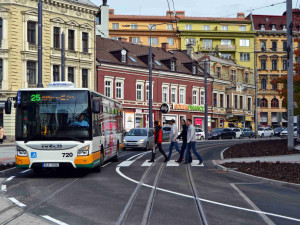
point(53, 115)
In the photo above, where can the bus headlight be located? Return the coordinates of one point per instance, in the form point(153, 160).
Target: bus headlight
point(84, 151)
point(21, 151)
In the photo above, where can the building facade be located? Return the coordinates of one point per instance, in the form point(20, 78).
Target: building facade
point(135, 29)
point(233, 92)
point(271, 62)
point(18, 53)
point(123, 74)
point(228, 38)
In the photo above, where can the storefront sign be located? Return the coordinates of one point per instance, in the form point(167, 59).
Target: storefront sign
point(2, 105)
point(165, 108)
point(138, 111)
point(198, 121)
point(248, 118)
point(129, 121)
point(188, 107)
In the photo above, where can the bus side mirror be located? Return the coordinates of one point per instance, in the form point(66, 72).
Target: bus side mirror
point(96, 106)
point(8, 105)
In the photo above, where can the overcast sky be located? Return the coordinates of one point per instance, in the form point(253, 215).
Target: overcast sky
point(211, 8)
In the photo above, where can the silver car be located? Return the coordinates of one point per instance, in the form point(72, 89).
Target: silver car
point(166, 133)
point(142, 138)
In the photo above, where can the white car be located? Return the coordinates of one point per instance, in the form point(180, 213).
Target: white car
point(284, 133)
point(238, 131)
point(265, 132)
point(200, 134)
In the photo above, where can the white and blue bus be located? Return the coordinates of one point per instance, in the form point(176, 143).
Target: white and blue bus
point(64, 126)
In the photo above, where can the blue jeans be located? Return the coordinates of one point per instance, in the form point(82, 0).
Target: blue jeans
point(171, 148)
point(192, 145)
point(183, 147)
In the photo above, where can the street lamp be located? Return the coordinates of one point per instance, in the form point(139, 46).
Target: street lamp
point(150, 27)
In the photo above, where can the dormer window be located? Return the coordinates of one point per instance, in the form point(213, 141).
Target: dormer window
point(273, 26)
point(262, 27)
point(173, 66)
point(284, 27)
point(123, 54)
point(194, 69)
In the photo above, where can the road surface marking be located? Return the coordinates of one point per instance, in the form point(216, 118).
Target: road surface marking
point(146, 163)
point(196, 163)
point(54, 220)
point(263, 216)
point(172, 163)
point(208, 201)
point(17, 202)
point(106, 164)
point(126, 163)
point(3, 187)
point(10, 178)
point(143, 153)
point(25, 171)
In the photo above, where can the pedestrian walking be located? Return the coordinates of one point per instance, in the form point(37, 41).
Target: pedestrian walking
point(173, 137)
point(1, 134)
point(183, 135)
point(158, 141)
point(191, 143)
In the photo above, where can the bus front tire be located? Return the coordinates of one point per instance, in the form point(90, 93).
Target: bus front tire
point(116, 157)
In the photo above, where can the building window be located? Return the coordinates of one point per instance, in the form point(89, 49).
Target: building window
point(215, 100)
point(139, 92)
point(147, 92)
point(115, 26)
point(284, 64)
point(224, 28)
point(152, 26)
point(263, 84)
point(202, 98)
point(195, 97)
point(31, 32)
point(274, 46)
point(190, 41)
point(241, 102)
point(235, 101)
point(173, 95)
point(135, 40)
point(170, 41)
point(264, 103)
point(206, 27)
point(108, 89)
point(71, 74)
point(244, 42)
point(56, 73)
point(274, 64)
point(249, 104)
point(207, 43)
point(273, 26)
point(56, 37)
point(225, 55)
point(181, 96)
point(85, 42)
point(263, 64)
point(123, 58)
point(165, 94)
point(284, 27)
point(169, 26)
point(218, 72)
point(242, 28)
point(221, 100)
point(194, 69)
point(227, 101)
point(262, 27)
point(274, 103)
point(233, 72)
point(1, 72)
point(133, 26)
point(173, 65)
point(154, 41)
point(263, 46)
point(226, 42)
point(284, 45)
point(71, 40)
point(188, 27)
point(119, 91)
point(246, 78)
point(274, 85)
point(1, 29)
point(245, 56)
point(85, 78)
point(31, 72)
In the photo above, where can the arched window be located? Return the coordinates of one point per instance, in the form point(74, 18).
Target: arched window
point(274, 103)
point(263, 84)
point(264, 103)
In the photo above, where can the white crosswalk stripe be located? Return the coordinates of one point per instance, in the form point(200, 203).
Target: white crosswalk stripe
point(126, 163)
point(146, 163)
point(172, 163)
point(196, 163)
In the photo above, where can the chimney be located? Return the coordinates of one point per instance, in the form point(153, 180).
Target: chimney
point(190, 50)
point(104, 2)
point(241, 15)
point(165, 46)
point(169, 13)
point(177, 13)
point(111, 12)
point(122, 39)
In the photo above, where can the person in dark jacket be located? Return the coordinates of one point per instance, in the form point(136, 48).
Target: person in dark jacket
point(183, 135)
point(158, 141)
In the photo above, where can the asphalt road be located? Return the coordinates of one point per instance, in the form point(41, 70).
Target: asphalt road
point(76, 197)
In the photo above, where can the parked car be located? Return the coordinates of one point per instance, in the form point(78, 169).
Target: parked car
point(238, 131)
point(247, 132)
point(278, 130)
point(284, 133)
point(142, 138)
point(200, 134)
point(166, 133)
point(265, 132)
point(220, 133)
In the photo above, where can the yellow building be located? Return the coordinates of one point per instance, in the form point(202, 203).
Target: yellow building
point(18, 53)
point(135, 29)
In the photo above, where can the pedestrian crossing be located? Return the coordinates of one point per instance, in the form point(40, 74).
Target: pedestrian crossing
point(170, 163)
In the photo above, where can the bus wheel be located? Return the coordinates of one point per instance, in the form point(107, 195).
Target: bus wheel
point(98, 167)
point(116, 157)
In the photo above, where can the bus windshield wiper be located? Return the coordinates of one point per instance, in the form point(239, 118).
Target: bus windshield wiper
point(75, 139)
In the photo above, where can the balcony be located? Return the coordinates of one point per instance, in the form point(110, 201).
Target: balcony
point(226, 47)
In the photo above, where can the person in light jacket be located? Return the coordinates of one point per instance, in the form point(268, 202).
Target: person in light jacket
point(191, 143)
point(173, 137)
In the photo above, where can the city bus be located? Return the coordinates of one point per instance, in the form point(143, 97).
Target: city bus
point(63, 126)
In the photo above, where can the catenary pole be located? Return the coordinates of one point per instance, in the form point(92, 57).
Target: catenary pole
point(150, 82)
point(290, 85)
point(40, 44)
point(298, 116)
point(256, 105)
point(63, 56)
point(205, 99)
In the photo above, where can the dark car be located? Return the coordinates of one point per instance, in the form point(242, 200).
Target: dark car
point(220, 133)
point(278, 130)
point(247, 132)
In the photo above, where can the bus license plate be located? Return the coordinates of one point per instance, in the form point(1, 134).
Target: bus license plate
point(50, 164)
